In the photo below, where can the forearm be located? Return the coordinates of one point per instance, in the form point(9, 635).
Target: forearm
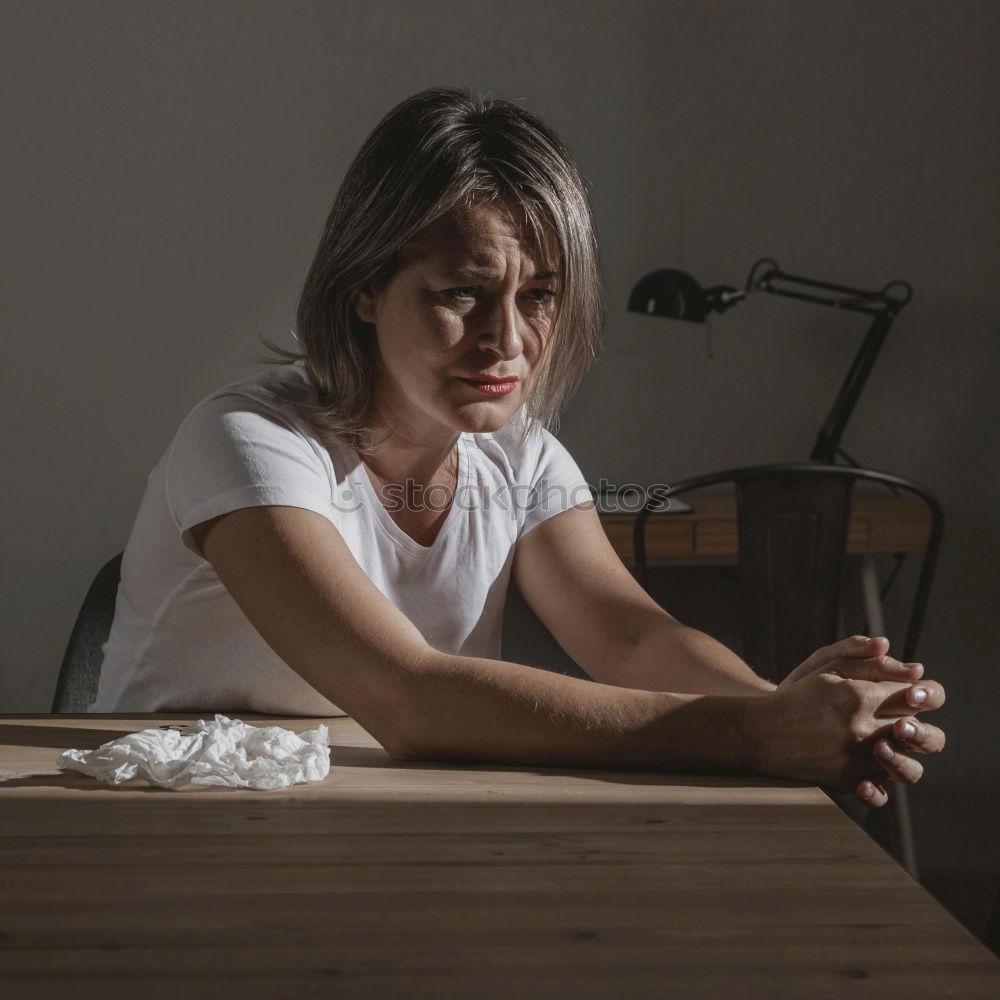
point(674, 657)
point(467, 708)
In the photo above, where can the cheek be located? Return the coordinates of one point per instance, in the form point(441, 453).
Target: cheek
point(445, 328)
point(420, 337)
point(538, 340)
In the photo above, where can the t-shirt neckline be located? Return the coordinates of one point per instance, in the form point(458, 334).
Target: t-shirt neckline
point(393, 530)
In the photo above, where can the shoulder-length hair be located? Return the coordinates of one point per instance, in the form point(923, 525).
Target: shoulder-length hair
point(440, 149)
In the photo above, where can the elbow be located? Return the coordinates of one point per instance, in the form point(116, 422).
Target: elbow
point(407, 745)
point(399, 749)
point(404, 737)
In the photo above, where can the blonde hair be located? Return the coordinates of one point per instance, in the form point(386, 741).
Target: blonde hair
point(440, 149)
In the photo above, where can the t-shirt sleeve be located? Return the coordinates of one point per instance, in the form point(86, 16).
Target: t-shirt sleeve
point(233, 451)
point(556, 482)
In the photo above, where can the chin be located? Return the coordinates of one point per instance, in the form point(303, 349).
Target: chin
point(484, 418)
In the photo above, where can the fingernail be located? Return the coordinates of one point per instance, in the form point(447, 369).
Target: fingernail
point(909, 729)
point(918, 695)
point(886, 751)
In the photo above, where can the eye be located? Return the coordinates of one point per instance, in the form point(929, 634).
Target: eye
point(461, 294)
point(545, 295)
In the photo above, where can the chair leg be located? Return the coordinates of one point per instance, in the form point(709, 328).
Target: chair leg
point(890, 826)
point(900, 832)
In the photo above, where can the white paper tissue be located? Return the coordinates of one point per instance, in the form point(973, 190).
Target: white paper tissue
point(224, 752)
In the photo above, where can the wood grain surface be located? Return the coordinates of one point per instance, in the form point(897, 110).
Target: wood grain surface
point(417, 879)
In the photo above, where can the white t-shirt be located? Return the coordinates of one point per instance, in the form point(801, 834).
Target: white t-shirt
point(179, 642)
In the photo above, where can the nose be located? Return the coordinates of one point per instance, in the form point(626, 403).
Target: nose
point(501, 334)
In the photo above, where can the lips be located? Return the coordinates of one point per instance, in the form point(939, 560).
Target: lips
point(491, 384)
point(490, 379)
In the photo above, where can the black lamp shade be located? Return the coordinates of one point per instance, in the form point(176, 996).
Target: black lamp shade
point(672, 294)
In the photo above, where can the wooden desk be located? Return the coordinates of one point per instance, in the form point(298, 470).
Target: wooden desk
point(880, 523)
point(421, 880)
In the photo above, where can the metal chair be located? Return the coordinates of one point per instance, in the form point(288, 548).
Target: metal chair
point(792, 525)
point(80, 672)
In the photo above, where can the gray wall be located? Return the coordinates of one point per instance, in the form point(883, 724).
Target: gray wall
point(167, 168)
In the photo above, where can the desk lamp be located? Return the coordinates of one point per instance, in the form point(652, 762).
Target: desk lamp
point(676, 295)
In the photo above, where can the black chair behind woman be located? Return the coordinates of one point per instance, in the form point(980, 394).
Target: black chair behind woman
point(80, 672)
point(793, 524)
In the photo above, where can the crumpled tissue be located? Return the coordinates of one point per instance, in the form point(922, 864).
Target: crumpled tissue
point(225, 752)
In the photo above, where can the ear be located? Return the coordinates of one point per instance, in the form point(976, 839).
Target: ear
point(364, 305)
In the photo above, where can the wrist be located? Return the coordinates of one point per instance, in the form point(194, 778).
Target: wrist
point(755, 730)
point(714, 732)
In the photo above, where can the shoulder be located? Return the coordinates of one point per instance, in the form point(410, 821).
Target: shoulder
point(281, 389)
point(246, 445)
point(542, 475)
point(526, 452)
point(255, 407)
point(255, 424)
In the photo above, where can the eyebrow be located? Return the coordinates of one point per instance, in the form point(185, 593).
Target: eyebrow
point(488, 274)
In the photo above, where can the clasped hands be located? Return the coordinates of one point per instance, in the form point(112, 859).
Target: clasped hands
point(852, 686)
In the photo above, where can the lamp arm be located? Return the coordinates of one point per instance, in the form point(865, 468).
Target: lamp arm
point(845, 305)
point(828, 439)
point(879, 305)
point(857, 300)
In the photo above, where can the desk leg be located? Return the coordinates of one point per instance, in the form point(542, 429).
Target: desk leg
point(898, 805)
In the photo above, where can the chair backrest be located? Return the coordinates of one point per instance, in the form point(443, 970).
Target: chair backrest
point(80, 672)
point(793, 529)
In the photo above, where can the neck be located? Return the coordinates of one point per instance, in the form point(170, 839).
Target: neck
point(408, 446)
point(398, 457)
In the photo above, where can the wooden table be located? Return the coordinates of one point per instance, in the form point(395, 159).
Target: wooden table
point(416, 879)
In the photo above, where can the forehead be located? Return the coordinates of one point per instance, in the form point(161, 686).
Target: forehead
point(480, 234)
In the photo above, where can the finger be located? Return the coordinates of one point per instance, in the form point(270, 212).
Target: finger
point(921, 697)
point(855, 645)
point(879, 668)
point(896, 765)
point(910, 736)
point(926, 694)
point(871, 793)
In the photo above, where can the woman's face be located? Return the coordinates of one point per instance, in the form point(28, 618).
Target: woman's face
point(470, 300)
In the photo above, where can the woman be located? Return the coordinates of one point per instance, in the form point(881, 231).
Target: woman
point(337, 535)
